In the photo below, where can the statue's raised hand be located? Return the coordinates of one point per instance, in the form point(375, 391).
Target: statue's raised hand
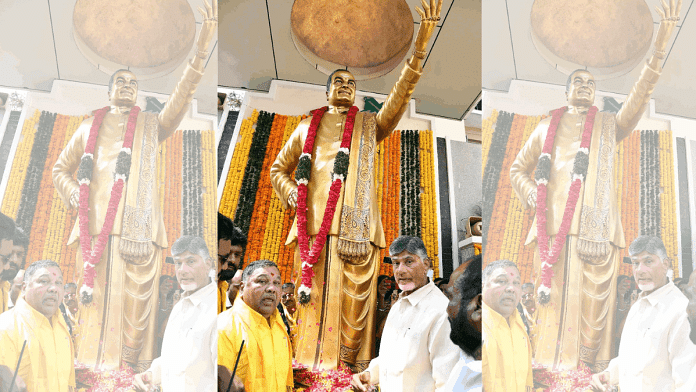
point(210, 22)
point(430, 15)
point(670, 17)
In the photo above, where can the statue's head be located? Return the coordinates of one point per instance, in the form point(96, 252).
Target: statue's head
point(340, 88)
point(123, 88)
point(580, 88)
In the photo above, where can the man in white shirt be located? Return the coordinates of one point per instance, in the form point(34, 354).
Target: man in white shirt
point(655, 353)
point(416, 353)
point(189, 346)
point(465, 311)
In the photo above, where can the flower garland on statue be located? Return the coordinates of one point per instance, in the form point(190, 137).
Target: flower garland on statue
point(304, 167)
point(549, 257)
point(91, 256)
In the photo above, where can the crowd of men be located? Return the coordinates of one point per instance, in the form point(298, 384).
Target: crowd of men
point(431, 341)
point(657, 351)
point(39, 319)
point(473, 335)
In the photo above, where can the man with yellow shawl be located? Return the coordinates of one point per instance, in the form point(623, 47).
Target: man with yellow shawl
point(338, 144)
point(507, 353)
point(266, 358)
point(47, 362)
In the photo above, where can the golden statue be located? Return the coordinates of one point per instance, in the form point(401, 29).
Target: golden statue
point(119, 321)
point(577, 321)
point(338, 320)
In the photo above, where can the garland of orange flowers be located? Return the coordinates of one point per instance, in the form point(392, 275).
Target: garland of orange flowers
point(39, 227)
point(53, 203)
point(273, 225)
point(264, 191)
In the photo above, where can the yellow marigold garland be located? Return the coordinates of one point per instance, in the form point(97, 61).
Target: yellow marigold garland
point(233, 183)
point(487, 128)
point(209, 189)
point(20, 163)
point(428, 210)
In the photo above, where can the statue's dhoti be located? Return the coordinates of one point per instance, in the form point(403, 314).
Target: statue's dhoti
point(577, 324)
point(338, 322)
point(120, 323)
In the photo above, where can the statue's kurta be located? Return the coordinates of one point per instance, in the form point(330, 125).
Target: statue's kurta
point(338, 322)
point(577, 323)
point(120, 324)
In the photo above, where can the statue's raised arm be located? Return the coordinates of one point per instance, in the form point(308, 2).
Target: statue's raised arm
point(632, 109)
point(181, 97)
point(397, 101)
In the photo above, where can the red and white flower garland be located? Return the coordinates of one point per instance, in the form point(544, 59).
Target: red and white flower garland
point(549, 257)
point(308, 256)
point(92, 256)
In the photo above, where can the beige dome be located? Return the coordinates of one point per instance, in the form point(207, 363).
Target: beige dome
point(369, 37)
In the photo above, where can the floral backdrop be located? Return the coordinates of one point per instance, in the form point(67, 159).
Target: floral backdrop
point(186, 177)
point(405, 189)
point(644, 175)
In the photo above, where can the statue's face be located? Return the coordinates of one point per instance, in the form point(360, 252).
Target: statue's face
point(342, 90)
point(582, 89)
point(124, 90)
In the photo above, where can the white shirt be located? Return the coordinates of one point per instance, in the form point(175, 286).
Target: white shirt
point(655, 353)
point(189, 347)
point(416, 353)
point(465, 376)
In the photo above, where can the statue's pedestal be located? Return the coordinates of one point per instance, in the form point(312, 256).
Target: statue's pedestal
point(467, 249)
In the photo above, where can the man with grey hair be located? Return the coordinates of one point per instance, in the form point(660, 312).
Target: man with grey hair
point(655, 353)
point(255, 320)
point(416, 353)
point(47, 361)
point(189, 346)
point(507, 353)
